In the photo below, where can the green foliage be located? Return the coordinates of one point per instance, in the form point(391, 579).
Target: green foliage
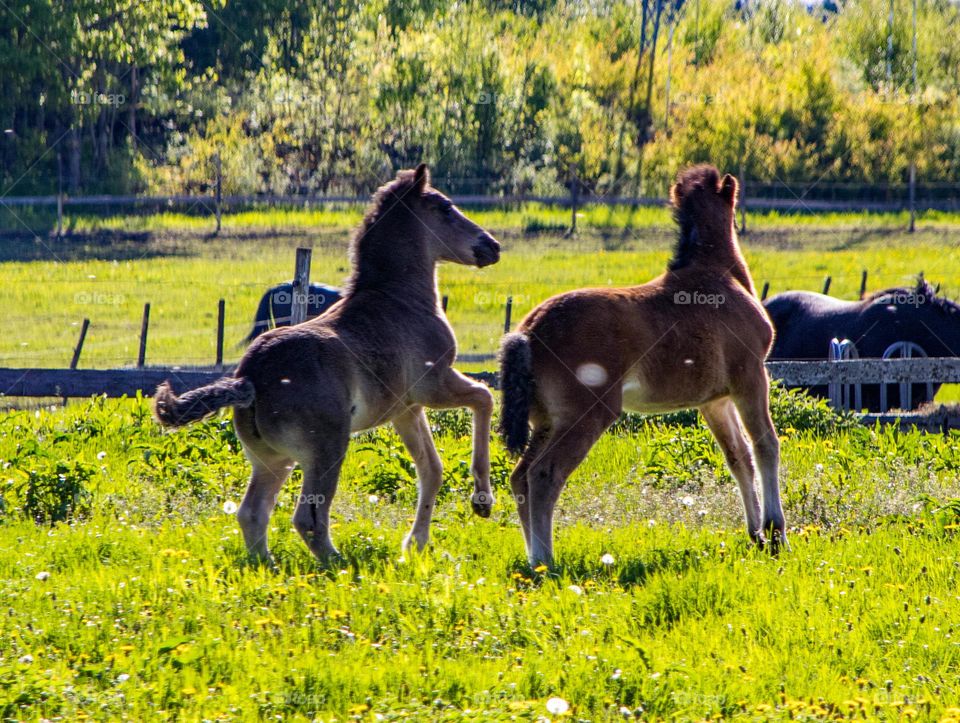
point(331, 97)
point(52, 491)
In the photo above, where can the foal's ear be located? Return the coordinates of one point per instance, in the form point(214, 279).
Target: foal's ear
point(421, 177)
point(728, 189)
point(676, 195)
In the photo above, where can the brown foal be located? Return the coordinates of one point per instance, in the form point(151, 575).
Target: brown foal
point(695, 336)
point(381, 354)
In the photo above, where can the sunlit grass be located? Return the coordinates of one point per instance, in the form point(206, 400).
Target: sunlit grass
point(147, 608)
point(519, 217)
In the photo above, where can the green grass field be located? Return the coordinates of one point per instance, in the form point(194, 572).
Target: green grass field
point(162, 260)
point(142, 605)
point(128, 595)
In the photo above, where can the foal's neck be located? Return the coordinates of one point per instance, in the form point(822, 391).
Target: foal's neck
point(395, 261)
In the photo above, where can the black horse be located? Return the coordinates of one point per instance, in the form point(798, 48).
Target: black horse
point(276, 304)
point(805, 323)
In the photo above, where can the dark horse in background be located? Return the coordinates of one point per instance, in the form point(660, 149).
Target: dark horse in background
point(806, 321)
point(275, 306)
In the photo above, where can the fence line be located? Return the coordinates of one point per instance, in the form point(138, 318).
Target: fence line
point(127, 381)
point(786, 202)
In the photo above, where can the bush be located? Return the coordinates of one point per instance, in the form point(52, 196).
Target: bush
point(52, 491)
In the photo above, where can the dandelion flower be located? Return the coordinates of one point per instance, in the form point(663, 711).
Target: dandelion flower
point(557, 706)
point(686, 501)
point(230, 507)
point(607, 559)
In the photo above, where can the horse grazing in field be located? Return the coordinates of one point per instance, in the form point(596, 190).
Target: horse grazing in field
point(276, 306)
point(806, 321)
point(380, 355)
point(694, 337)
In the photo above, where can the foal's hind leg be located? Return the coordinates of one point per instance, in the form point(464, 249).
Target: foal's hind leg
point(270, 471)
point(722, 419)
point(321, 471)
point(519, 483)
point(754, 407)
point(269, 474)
point(414, 430)
point(562, 452)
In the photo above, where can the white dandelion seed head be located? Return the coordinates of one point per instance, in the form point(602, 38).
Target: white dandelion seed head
point(686, 501)
point(592, 375)
point(557, 706)
point(230, 507)
point(101, 455)
point(123, 677)
point(43, 575)
point(575, 589)
point(607, 559)
point(26, 659)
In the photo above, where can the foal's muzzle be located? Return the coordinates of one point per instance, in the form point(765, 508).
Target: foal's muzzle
point(486, 251)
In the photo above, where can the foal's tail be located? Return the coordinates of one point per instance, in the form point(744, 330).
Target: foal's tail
point(173, 411)
point(516, 385)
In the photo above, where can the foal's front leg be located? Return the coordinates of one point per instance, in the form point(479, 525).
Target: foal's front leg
point(414, 430)
point(457, 390)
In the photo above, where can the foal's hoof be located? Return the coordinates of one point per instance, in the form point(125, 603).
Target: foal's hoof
point(482, 503)
point(777, 541)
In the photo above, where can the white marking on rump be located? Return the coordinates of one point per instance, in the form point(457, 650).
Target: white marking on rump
point(592, 375)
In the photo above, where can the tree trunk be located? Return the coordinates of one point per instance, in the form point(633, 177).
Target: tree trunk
point(132, 108)
point(73, 143)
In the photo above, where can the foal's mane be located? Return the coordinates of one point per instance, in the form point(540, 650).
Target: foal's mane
point(374, 247)
point(692, 196)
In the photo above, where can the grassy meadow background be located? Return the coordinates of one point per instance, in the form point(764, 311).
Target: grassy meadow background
point(128, 594)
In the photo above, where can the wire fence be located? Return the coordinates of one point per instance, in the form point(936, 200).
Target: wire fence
point(791, 195)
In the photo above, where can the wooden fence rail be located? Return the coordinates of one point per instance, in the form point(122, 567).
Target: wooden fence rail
point(18, 382)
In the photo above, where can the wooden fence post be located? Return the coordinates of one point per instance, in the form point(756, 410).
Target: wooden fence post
point(443, 303)
point(743, 199)
point(59, 196)
point(221, 318)
point(863, 283)
point(144, 326)
point(574, 199)
point(826, 284)
point(506, 320)
point(301, 287)
point(766, 290)
point(79, 347)
point(218, 189)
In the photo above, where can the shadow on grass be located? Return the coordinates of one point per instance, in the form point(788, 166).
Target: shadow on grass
point(294, 559)
point(103, 245)
point(626, 573)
